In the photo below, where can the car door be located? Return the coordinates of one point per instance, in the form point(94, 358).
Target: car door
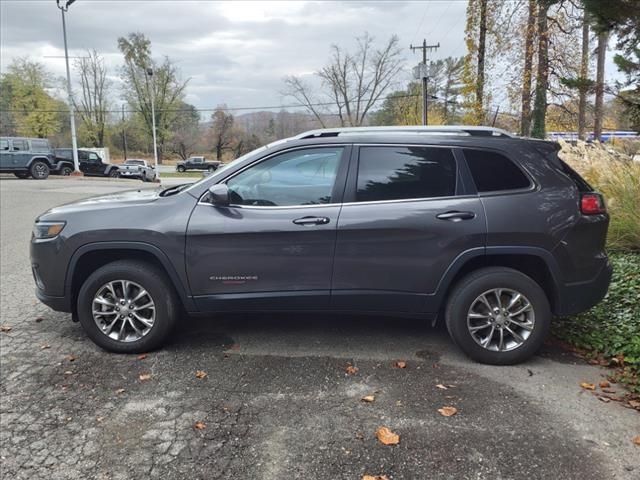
point(407, 214)
point(20, 153)
point(273, 247)
point(5, 155)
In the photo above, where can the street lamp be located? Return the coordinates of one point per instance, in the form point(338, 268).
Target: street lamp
point(149, 72)
point(74, 141)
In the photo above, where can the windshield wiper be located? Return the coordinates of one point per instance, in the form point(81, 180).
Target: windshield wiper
point(173, 190)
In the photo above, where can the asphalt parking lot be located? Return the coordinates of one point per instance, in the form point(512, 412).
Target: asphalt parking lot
point(277, 401)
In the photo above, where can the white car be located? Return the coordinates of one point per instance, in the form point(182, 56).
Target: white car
point(136, 168)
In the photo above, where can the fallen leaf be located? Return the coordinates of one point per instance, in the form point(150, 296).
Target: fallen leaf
point(199, 425)
point(400, 364)
point(387, 437)
point(634, 403)
point(120, 390)
point(144, 376)
point(605, 384)
point(368, 398)
point(604, 399)
point(441, 387)
point(636, 440)
point(359, 436)
point(70, 358)
point(375, 477)
point(45, 346)
point(448, 411)
point(5, 328)
point(351, 370)
point(68, 372)
point(142, 356)
point(588, 386)
point(99, 419)
point(201, 374)
point(39, 319)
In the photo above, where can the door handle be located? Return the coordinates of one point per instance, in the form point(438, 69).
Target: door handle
point(456, 216)
point(311, 221)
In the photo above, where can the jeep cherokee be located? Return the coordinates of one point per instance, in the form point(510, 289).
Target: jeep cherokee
point(491, 233)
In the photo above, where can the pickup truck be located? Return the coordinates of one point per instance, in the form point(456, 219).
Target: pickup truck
point(197, 163)
point(90, 163)
point(137, 168)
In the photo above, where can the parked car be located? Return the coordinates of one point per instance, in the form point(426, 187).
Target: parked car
point(27, 157)
point(136, 168)
point(90, 163)
point(198, 163)
point(490, 233)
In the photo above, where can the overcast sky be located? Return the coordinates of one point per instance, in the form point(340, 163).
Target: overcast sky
point(235, 53)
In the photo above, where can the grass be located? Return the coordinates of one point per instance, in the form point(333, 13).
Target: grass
point(182, 174)
point(611, 329)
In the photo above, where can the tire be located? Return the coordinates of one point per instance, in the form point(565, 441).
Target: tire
point(140, 274)
point(21, 175)
point(211, 169)
point(181, 168)
point(39, 170)
point(66, 171)
point(113, 173)
point(466, 310)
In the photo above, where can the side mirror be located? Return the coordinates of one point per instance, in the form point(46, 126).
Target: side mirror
point(219, 195)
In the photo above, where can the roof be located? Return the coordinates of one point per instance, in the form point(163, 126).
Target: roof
point(439, 130)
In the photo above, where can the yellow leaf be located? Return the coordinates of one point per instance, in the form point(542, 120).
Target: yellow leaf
point(374, 477)
point(636, 440)
point(368, 398)
point(588, 386)
point(199, 425)
point(201, 374)
point(351, 370)
point(401, 364)
point(448, 411)
point(387, 437)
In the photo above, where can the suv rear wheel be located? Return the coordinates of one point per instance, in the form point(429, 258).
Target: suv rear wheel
point(127, 307)
point(181, 168)
point(39, 170)
point(498, 315)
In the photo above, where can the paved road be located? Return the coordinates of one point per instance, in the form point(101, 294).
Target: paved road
point(277, 403)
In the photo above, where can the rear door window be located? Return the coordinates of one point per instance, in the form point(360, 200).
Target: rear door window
point(493, 172)
point(20, 145)
point(399, 173)
point(4, 145)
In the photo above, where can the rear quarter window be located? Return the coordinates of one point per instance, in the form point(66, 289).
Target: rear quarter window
point(494, 172)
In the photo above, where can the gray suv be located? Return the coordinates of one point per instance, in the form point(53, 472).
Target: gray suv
point(27, 157)
point(492, 234)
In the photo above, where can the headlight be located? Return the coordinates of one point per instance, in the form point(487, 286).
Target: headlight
point(47, 229)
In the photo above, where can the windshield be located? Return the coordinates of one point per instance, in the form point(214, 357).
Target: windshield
point(238, 160)
point(134, 162)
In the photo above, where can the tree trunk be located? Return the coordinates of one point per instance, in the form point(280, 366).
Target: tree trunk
point(527, 74)
point(603, 38)
point(482, 45)
point(542, 74)
point(584, 75)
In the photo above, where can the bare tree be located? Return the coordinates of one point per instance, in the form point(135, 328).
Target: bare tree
point(603, 38)
point(351, 82)
point(92, 105)
point(186, 130)
point(222, 131)
point(527, 73)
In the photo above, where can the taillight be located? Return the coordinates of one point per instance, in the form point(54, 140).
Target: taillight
point(592, 204)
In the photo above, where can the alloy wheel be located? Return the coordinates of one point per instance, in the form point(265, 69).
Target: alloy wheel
point(501, 319)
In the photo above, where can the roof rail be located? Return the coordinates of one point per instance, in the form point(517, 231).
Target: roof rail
point(463, 130)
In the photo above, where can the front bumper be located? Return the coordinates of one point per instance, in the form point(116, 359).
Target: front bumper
point(581, 296)
point(59, 304)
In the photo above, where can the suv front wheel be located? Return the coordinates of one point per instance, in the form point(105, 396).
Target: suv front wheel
point(498, 316)
point(127, 307)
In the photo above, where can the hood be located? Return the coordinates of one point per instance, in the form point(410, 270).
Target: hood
point(114, 200)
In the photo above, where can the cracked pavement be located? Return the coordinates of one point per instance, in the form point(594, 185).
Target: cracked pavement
point(276, 401)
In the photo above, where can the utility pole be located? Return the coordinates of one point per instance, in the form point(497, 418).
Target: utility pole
point(124, 135)
point(423, 74)
point(149, 72)
point(74, 141)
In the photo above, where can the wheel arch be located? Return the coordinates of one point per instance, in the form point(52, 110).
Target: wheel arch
point(39, 158)
point(537, 263)
point(89, 257)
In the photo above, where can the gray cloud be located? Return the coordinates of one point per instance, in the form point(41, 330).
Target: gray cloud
point(234, 53)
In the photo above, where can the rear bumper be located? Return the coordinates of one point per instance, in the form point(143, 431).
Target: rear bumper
point(581, 296)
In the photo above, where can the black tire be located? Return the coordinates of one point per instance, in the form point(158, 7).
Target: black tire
point(151, 279)
point(181, 168)
point(470, 288)
point(113, 173)
point(39, 170)
point(21, 175)
point(66, 171)
point(211, 168)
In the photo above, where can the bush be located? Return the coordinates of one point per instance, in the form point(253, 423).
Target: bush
point(611, 328)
